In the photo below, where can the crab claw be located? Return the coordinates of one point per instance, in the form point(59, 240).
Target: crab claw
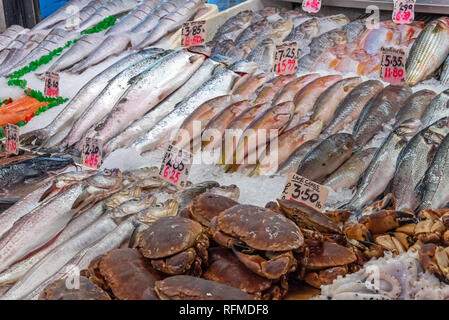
point(358, 231)
point(385, 220)
point(274, 268)
point(387, 203)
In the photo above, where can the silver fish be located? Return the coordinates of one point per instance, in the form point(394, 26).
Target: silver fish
point(133, 18)
point(222, 83)
point(444, 76)
point(303, 34)
point(413, 162)
point(381, 168)
point(58, 128)
point(10, 34)
point(437, 109)
point(235, 25)
point(157, 211)
point(415, 106)
point(131, 207)
point(263, 54)
point(153, 18)
point(78, 16)
point(140, 126)
point(108, 98)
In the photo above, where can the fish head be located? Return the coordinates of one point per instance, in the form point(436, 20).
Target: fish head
point(232, 191)
point(106, 179)
point(310, 27)
point(282, 25)
point(408, 128)
point(204, 50)
point(243, 18)
point(243, 66)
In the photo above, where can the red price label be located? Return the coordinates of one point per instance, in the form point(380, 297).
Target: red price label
point(301, 189)
point(404, 11)
point(12, 138)
point(286, 58)
point(193, 33)
point(176, 166)
point(311, 6)
point(92, 151)
point(392, 66)
point(51, 84)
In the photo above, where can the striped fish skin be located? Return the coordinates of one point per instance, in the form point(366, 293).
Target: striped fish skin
point(444, 76)
point(428, 51)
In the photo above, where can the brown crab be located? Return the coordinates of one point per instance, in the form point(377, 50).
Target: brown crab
point(175, 245)
point(208, 205)
point(87, 291)
point(260, 238)
point(387, 203)
point(435, 260)
point(225, 267)
point(386, 220)
point(184, 287)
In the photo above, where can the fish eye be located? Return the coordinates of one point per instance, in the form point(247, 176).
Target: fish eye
point(107, 172)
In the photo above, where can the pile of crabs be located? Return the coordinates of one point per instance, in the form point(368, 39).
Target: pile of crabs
point(217, 248)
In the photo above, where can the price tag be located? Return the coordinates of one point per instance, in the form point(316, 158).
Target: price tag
point(286, 58)
point(92, 151)
point(404, 11)
point(12, 138)
point(305, 191)
point(392, 66)
point(311, 6)
point(176, 166)
point(51, 84)
point(193, 33)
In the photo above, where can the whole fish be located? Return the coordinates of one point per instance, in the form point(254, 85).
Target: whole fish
point(19, 269)
point(108, 98)
point(289, 91)
point(153, 18)
point(131, 207)
point(111, 8)
point(172, 22)
point(241, 50)
point(288, 142)
point(263, 54)
point(157, 211)
point(140, 126)
point(19, 49)
point(221, 47)
point(336, 21)
point(177, 67)
point(326, 157)
point(306, 98)
point(30, 170)
point(381, 168)
point(275, 118)
point(297, 155)
point(133, 18)
point(347, 175)
point(230, 191)
point(10, 34)
point(58, 128)
point(329, 100)
point(267, 92)
point(427, 54)
point(235, 25)
point(415, 106)
point(220, 122)
point(222, 83)
point(81, 49)
point(58, 257)
point(247, 89)
point(379, 111)
point(433, 189)
point(437, 109)
point(444, 76)
point(252, 32)
point(39, 226)
point(304, 33)
point(35, 198)
point(354, 30)
point(130, 193)
point(413, 162)
point(350, 108)
point(279, 30)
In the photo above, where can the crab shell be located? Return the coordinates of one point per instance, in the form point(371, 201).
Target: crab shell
point(385, 220)
point(87, 291)
point(307, 217)
point(225, 268)
point(184, 287)
point(127, 273)
point(175, 245)
point(328, 254)
point(208, 205)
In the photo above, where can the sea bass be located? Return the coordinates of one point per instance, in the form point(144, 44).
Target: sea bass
point(437, 109)
point(415, 106)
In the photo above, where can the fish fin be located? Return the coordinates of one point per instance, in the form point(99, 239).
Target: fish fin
point(47, 192)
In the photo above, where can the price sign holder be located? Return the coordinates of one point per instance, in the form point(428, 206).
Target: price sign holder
point(193, 33)
point(404, 11)
point(392, 65)
point(286, 58)
point(12, 139)
point(51, 88)
point(92, 153)
point(311, 6)
point(176, 166)
point(308, 192)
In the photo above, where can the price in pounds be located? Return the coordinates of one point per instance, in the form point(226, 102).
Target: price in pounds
point(51, 84)
point(176, 166)
point(311, 6)
point(92, 151)
point(286, 58)
point(12, 139)
point(392, 66)
point(193, 33)
point(404, 11)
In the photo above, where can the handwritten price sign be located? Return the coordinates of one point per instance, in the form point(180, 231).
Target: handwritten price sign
point(176, 166)
point(286, 58)
point(12, 138)
point(51, 84)
point(311, 6)
point(92, 151)
point(404, 11)
point(305, 191)
point(193, 33)
point(392, 66)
